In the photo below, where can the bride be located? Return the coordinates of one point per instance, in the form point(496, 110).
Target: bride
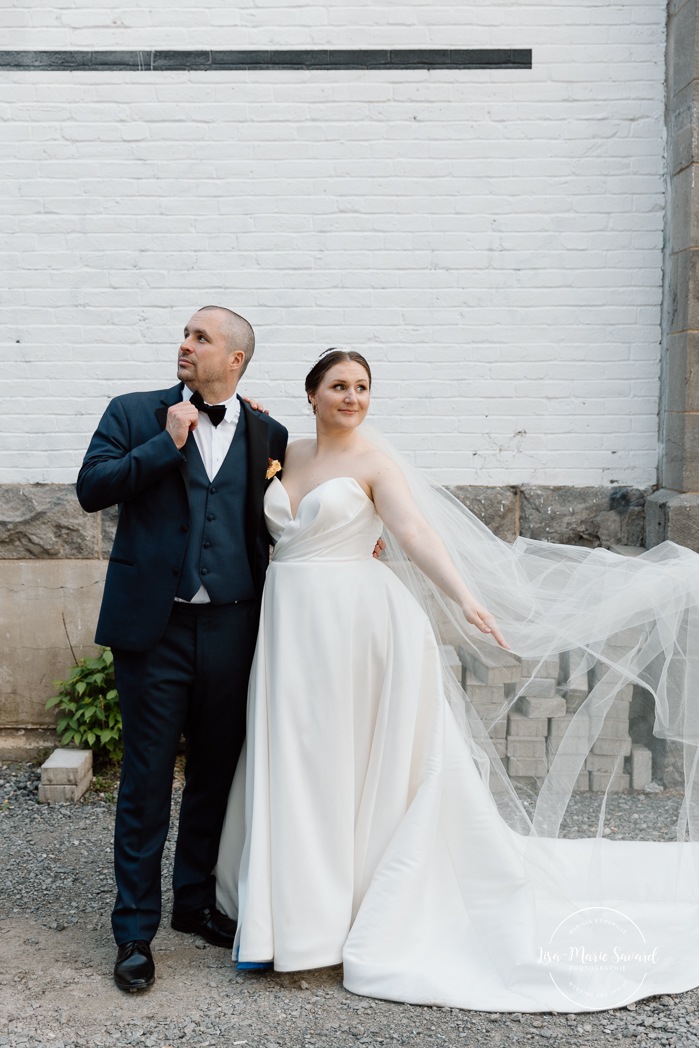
point(371, 821)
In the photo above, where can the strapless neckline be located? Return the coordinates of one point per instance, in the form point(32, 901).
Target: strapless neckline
point(324, 483)
point(334, 520)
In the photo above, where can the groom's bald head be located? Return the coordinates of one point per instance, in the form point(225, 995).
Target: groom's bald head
point(238, 332)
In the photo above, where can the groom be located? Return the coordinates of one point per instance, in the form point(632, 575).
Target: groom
point(180, 612)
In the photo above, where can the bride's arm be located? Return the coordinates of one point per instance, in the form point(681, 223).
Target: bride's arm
point(396, 507)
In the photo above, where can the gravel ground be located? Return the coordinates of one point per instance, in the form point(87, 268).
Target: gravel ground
point(56, 956)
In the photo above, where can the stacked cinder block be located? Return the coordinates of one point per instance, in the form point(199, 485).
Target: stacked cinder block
point(605, 762)
point(484, 675)
point(548, 696)
point(538, 706)
point(487, 699)
point(607, 768)
point(65, 776)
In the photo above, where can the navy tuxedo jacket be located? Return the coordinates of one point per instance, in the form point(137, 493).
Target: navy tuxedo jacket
point(133, 462)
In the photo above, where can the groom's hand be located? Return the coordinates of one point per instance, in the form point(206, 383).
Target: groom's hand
point(182, 418)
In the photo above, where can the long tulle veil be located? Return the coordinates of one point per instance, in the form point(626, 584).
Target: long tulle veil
point(591, 632)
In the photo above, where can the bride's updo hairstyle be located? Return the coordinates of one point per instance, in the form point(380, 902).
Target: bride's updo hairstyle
point(328, 360)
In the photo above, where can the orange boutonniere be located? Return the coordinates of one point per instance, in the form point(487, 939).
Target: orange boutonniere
point(273, 468)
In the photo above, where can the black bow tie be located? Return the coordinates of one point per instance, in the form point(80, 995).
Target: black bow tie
point(216, 412)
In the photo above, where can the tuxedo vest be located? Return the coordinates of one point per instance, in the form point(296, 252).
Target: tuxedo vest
point(216, 555)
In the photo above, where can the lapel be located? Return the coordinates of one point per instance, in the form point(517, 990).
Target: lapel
point(170, 397)
point(258, 462)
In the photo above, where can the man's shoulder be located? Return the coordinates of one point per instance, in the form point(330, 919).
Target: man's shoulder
point(274, 426)
point(277, 427)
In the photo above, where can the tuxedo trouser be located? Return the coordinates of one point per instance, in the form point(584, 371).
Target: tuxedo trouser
point(193, 682)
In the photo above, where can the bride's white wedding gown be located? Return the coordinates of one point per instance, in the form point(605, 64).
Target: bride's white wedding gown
point(370, 837)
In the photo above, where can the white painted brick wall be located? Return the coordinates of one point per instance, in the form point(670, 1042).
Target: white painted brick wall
point(491, 240)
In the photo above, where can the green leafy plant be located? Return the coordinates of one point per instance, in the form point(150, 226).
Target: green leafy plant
point(88, 705)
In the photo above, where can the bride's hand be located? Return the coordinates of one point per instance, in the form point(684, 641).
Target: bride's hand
point(480, 617)
point(255, 406)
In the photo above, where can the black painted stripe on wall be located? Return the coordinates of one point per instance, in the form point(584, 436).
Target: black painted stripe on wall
point(152, 61)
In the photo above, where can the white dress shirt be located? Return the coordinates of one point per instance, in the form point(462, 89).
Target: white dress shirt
point(213, 443)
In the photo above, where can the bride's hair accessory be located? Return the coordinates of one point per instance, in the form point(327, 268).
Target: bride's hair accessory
point(274, 466)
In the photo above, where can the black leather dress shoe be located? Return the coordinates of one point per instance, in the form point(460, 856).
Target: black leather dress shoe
point(210, 923)
point(134, 969)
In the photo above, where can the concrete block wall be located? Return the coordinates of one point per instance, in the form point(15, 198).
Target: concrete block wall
point(491, 239)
